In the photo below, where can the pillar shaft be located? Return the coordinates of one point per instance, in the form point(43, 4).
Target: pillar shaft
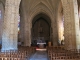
point(24, 26)
point(1, 20)
point(71, 23)
point(10, 27)
point(21, 28)
point(27, 35)
point(55, 30)
point(24, 30)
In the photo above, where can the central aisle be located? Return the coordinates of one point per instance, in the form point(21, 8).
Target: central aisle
point(39, 55)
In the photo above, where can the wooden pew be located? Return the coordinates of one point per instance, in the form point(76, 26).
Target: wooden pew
point(23, 53)
point(59, 53)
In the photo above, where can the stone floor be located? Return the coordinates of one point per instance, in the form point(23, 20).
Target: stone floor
point(39, 55)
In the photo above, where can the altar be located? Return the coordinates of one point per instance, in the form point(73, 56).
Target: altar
point(41, 43)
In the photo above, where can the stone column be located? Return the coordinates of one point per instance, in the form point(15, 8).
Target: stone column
point(21, 28)
point(54, 30)
point(24, 25)
point(71, 23)
point(27, 31)
point(10, 27)
point(24, 30)
point(54, 34)
point(21, 36)
point(1, 20)
point(79, 27)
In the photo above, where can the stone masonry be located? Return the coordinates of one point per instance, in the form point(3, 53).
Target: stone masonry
point(71, 23)
point(10, 32)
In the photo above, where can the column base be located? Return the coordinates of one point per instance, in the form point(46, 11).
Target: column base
point(8, 49)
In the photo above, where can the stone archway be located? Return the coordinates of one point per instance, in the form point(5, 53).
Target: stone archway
point(41, 25)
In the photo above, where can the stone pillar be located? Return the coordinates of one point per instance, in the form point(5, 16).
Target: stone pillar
point(10, 27)
point(1, 20)
point(54, 32)
point(79, 27)
point(71, 23)
point(24, 25)
point(27, 35)
point(55, 35)
point(21, 28)
point(25, 30)
point(21, 36)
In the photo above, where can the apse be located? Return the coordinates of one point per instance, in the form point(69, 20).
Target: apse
point(41, 29)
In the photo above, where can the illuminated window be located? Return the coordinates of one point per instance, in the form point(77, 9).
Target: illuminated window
point(0, 14)
point(19, 24)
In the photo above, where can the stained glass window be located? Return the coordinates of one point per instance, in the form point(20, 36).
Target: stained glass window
point(19, 25)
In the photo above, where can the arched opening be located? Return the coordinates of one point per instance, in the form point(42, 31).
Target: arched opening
point(40, 30)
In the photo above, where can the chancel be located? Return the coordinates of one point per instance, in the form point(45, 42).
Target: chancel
point(39, 29)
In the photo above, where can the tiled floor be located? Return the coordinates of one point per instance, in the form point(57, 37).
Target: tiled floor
point(39, 55)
